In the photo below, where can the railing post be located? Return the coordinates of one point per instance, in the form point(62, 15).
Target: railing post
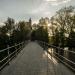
point(22, 44)
point(47, 62)
point(44, 45)
point(15, 50)
point(51, 53)
point(8, 54)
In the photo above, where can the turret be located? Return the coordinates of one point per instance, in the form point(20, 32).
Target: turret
point(30, 23)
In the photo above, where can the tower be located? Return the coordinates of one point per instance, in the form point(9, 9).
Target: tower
point(30, 23)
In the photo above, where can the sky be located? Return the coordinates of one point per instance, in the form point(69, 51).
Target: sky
point(24, 9)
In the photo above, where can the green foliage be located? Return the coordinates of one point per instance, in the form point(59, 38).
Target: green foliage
point(55, 38)
point(42, 34)
point(64, 20)
point(71, 40)
point(33, 36)
point(9, 23)
point(18, 32)
point(24, 30)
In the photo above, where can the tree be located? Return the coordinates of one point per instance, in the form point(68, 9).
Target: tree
point(9, 24)
point(24, 30)
point(63, 22)
point(42, 34)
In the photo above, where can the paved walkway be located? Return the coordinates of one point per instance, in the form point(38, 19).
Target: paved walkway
point(34, 61)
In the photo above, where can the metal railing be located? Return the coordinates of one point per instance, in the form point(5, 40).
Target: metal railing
point(10, 52)
point(65, 60)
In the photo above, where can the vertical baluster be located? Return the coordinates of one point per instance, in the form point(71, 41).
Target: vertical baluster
point(44, 46)
point(51, 53)
point(22, 44)
point(15, 50)
point(8, 54)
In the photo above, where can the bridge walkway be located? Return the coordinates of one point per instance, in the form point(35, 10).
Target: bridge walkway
point(33, 60)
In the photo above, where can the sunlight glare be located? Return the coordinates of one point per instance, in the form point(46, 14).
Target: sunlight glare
point(51, 58)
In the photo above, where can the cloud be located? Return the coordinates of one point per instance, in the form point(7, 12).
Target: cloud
point(41, 8)
point(45, 4)
point(47, 13)
point(65, 1)
point(57, 2)
point(51, 0)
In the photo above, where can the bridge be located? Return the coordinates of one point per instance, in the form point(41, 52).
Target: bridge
point(32, 59)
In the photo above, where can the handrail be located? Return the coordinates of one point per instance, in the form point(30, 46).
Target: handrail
point(10, 47)
point(52, 46)
point(65, 58)
point(10, 55)
point(62, 49)
point(57, 47)
point(65, 63)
